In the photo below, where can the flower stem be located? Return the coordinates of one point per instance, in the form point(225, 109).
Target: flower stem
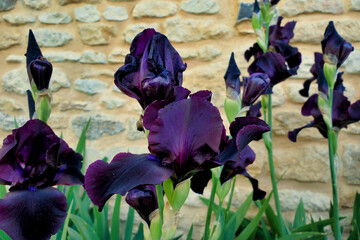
point(209, 211)
point(231, 196)
point(332, 153)
point(268, 143)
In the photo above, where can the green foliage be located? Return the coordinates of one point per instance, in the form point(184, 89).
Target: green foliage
point(355, 233)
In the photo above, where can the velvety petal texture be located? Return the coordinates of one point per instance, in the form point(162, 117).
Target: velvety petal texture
point(33, 156)
point(125, 172)
point(186, 135)
point(33, 51)
point(40, 71)
point(284, 34)
point(32, 215)
point(334, 45)
point(151, 70)
point(143, 199)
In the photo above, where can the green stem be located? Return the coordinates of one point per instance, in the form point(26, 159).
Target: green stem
point(337, 233)
point(160, 198)
point(231, 196)
point(269, 147)
point(267, 28)
point(209, 211)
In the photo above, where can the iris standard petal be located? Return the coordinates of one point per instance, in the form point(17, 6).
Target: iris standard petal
point(186, 134)
point(32, 215)
point(232, 79)
point(254, 86)
point(354, 110)
point(125, 172)
point(33, 51)
point(143, 199)
point(284, 34)
point(256, 126)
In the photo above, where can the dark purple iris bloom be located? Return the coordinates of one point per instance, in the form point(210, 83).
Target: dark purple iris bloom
point(273, 64)
point(344, 114)
point(333, 45)
point(237, 155)
point(315, 68)
point(39, 69)
point(184, 138)
point(278, 33)
point(255, 86)
point(151, 70)
point(232, 80)
point(32, 159)
point(143, 199)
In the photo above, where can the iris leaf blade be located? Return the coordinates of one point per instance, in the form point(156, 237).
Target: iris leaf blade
point(86, 231)
point(115, 220)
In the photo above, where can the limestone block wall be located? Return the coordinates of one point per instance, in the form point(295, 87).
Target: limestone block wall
point(87, 40)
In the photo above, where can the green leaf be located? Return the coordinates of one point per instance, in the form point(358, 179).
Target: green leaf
point(272, 220)
point(86, 230)
point(83, 209)
point(4, 236)
point(81, 146)
point(319, 224)
point(189, 235)
point(140, 233)
point(265, 231)
point(235, 220)
point(168, 189)
point(115, 220)
point(101, 223)
point(74, 235)
point(301, 235)
point(2, 191)
point(215, 207)
point(66, 222)
point(129, 224)
point(246, 233)
point(300, 217)
point(15, 123)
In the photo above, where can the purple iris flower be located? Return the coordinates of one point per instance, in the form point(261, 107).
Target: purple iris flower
point(39, 69)
point(255, 86)
point(334, 46)
point(344, 113)
point(151, 70)
point(315, 68)
point(32, 160)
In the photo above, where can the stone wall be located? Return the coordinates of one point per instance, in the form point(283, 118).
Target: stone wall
point(87, 40)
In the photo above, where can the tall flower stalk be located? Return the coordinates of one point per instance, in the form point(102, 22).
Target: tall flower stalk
point(330, 109)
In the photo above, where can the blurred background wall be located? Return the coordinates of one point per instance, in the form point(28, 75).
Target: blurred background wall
point(87, 40)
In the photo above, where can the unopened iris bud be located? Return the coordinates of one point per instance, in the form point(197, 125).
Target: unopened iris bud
point(330, 72)
point(255, 86)
point(39, 72)
point(257, 19)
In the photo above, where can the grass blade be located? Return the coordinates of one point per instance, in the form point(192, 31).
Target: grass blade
point(300, 218)
point(236, 219)
point(140, 233)
point(246, 233)
point(66, 223)
point(189, 235)
point(4, 236)
point(86, 231)
point(115, 220)
point(81, 146)
point(129, 224)
point(301, 235)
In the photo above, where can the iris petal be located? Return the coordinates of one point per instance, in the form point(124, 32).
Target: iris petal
point(125, 172)
point(186, 134)
point(33, 214)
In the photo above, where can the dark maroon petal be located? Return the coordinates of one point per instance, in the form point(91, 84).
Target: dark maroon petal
point(39, 71)
point(305, 91)
point(241, 122)
point(258, 194)
point(203, 94)
point(254, 86)
point(340, 109)
point(232, 79)
point(255, 51)
point(35, 214)
point(291, 55)
point(254, 110)
point(33, 51)
point(186, 134)
point(284, 34)
point(69, 166)
point(151, 112)
point(292, 135)
point(200, 180)
point(249, 133)
point(354, 110)
point(311, 107)
point(339, 86)
point(143, 199)
point(333, 44)
point(274, 2)
point(140, 42)
point(125, 172)
point(273, 64)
